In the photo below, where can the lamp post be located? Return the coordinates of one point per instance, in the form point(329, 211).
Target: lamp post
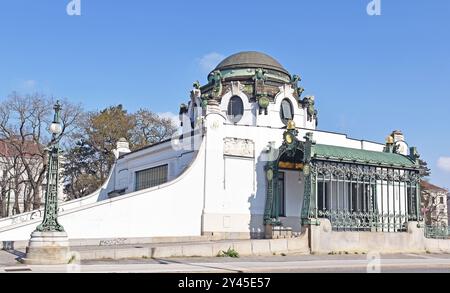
point(49, 243)
point(50, 222)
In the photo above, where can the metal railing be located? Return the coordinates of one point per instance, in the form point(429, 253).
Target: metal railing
point(437, 232)
point(367, 221)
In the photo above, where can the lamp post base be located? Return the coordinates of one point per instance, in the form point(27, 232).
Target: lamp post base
point(48, 248)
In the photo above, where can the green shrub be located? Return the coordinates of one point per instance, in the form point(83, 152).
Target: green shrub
point(229, 253)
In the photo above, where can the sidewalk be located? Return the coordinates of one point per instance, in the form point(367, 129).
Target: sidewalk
point(291, 263)
point(198, 249)
point(181, 249)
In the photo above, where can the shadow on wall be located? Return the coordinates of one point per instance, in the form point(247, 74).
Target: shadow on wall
point(258, 201)
point(256, 225)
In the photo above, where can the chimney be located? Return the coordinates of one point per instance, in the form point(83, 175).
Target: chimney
point(401, 147)
point(123, 147)
point(398, 136)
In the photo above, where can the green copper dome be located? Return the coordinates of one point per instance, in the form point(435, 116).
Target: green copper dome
point(251, 60)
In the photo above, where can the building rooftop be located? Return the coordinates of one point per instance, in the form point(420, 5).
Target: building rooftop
point(251, 59)
point(428, 186)
point(329, 152)
point(12, 148)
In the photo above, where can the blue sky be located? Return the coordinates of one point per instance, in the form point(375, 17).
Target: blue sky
point(370, 75)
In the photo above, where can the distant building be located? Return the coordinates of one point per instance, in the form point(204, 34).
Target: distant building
point(13, 176)
point(435, 204)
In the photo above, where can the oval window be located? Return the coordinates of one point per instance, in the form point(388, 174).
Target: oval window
point(286, 111)
point(235, 109)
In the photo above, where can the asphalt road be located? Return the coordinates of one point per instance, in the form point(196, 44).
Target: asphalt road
point(399, 263)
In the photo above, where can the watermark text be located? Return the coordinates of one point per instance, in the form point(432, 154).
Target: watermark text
point(74, 8)
point(374, 8)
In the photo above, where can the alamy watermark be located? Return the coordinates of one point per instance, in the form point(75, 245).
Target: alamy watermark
point(374, 8)
point(74, 265)
point(374, 262)
point(73, 8)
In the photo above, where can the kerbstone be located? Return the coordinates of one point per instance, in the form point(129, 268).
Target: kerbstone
point(105, 254)
point(203, 250)
point(260, 247)
point(279, 246)
point(244, 248)
point(87, 255)
point(167, 251)
point(298, 244)
point(132, 253)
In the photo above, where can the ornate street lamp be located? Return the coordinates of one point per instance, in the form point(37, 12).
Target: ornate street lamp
point(50, 222)
point(49, 243)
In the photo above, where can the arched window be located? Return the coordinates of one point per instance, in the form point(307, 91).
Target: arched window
point(235, 109)
point(286, 111)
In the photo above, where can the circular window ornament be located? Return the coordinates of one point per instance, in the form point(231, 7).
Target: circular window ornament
point(289, 138)
point(264, 102)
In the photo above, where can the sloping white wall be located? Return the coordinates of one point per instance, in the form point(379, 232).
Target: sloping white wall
point(172, 209)
point(235, 190)
point(102, 192)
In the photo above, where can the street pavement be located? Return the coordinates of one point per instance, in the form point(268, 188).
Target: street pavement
point(394, 263)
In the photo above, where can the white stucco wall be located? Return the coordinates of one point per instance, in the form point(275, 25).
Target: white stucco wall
point(219, 194)
point(235, 197)
point(166, 210)
point(127, 166)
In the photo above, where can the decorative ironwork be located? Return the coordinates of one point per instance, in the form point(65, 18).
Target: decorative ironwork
point(291, 150)
point(344, 220)
point(364, 197)
point(309, 201)
point(437, 232)
point(272, 185)
point(362, 172)
point(50, 222)
point(352, 196)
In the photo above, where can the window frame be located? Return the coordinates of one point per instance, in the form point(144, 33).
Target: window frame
point(165, 179)
point(233, 117)
point(282, 114)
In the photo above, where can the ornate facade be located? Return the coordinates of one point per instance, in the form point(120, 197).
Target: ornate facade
point(249, 160)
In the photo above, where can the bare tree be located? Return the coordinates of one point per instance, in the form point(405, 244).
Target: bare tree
point(152, 128)
point(90, 160)
point(24, 122)
point(11, 175)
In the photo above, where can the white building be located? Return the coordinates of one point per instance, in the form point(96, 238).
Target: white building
point(434, 201)
point(249, 162)
point(15, 187)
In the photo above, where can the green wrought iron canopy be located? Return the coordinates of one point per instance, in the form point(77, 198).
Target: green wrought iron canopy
point(364, 157)
point(368, 177)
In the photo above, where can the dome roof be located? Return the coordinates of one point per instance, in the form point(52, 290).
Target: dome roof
point(251, 60)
